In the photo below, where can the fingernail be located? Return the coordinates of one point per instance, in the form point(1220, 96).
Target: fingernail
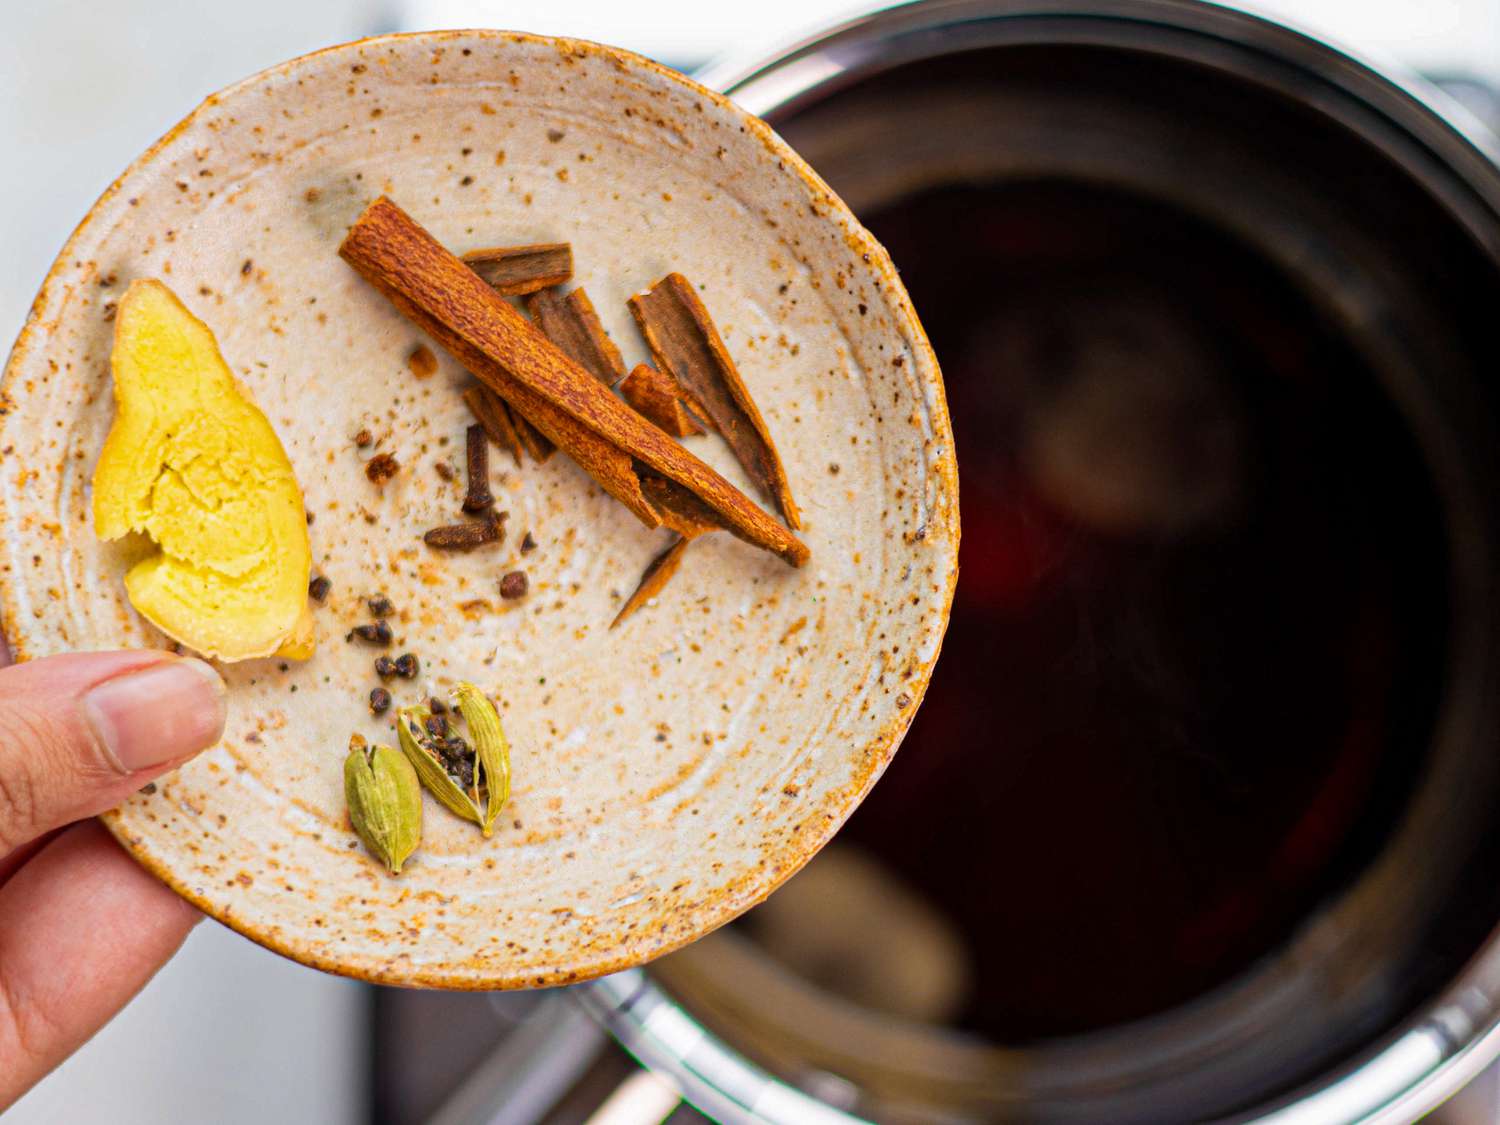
point(161, 713)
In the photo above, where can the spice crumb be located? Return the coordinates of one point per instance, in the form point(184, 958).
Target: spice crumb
point(318, 588)
point(363, 439)
point(380, 701)
point(437, 706)
point(833, 468)
point(382, 467)
point(528, 544)
point(247, 267)
point(380, 605)
point(514, 585)
point(422, 363)
point(378, 633)
point(148, 789)
point(444, 470)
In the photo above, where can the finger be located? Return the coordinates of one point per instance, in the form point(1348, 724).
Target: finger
point(12, 863)
point(79, 733)
point(82, 929)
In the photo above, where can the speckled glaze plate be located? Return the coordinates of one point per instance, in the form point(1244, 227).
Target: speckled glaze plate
point(668, 774)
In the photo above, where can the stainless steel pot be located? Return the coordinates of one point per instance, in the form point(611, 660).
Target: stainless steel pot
point(1366, 191)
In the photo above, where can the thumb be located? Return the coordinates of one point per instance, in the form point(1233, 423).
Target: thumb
point(79, 733)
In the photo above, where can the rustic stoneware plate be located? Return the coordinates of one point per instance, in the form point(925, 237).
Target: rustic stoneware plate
point(668, 774)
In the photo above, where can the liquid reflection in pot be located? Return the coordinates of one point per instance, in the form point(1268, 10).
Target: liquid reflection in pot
point(1200, 552)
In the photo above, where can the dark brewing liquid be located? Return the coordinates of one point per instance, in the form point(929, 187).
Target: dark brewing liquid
point(1198, 631)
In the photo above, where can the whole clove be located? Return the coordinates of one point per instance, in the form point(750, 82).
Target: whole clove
point(467, 536)
point(477, 457)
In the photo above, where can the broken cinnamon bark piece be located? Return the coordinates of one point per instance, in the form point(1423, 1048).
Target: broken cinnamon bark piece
point(514, 270)
point(572, 324)
point(687, 346)
point(654, 580)
point(490, 411)
point(537, 443)
point(656, 396)
point(680, 510)
point(685, 514)
point(513, 358)
point(505, 426)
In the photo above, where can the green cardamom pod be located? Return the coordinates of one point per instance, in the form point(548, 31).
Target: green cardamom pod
point(385, 801)
point(491, 749)
point(471, 778)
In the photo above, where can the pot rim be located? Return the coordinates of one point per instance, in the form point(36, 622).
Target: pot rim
point(1451, 1038)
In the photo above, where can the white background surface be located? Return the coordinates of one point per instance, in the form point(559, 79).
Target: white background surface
point(229, 1033)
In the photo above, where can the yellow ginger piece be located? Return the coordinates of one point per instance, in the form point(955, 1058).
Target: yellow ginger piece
point(195, 465)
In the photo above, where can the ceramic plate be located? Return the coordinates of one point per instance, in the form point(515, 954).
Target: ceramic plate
point(668, 774)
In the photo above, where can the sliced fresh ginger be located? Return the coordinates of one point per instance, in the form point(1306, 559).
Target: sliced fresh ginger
point(191, 462)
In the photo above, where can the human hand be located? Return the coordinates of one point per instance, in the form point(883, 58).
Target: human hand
point(82, 927)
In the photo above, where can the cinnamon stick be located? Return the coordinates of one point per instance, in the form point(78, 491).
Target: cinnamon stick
point(507, 353)
point(514, 270)
point(572, 324)
point(687, 346)
point(490, 411)
point(654, 580)
point(656, 395)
